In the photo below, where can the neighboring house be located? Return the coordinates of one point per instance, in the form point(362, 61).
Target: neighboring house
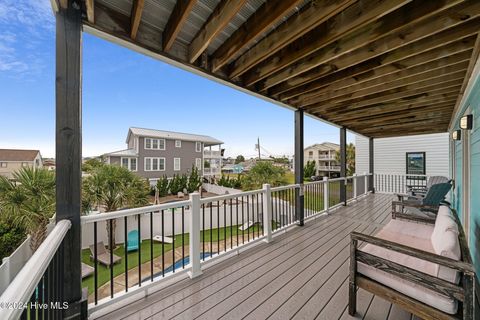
point(12, 160)
point(49, 164)
point(323, 154)
point(419, 154)
point(154, 153)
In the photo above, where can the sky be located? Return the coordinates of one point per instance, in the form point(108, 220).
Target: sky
point(122, 89)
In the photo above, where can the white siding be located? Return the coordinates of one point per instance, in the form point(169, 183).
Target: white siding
point(390, 153)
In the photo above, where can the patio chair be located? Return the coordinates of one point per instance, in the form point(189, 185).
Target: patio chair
point(103, 255)
point(87, 270)
point(422, 190)
point(423, 206)
point(132, 240)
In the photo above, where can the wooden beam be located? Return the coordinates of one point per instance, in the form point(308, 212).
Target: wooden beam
point(372, 69)
point(90, 6)
point(411, 132)
point(407, 93)
point(351, 20)
point(136, 17)
point(415, 80)
point(68, 154)
point(428, 32)
point(218, 20)
point(473, 60)
point(407, 125)
point(385, 108)
point(177, 18)
point(378, 79)
point(381, 54)
point(313, 15)
point(258, 23)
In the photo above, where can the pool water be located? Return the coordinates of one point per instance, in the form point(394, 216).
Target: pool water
point(179, 263)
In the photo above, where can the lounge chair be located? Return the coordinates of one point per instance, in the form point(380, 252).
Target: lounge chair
point(132, 241)
point(103, 255)
point(422, 190)
point(426, 205)
point(425, 268)
point(87, 270)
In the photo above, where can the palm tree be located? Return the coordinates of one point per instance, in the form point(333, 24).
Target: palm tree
point(29, 201)
point(350, 158)
point(112, 188)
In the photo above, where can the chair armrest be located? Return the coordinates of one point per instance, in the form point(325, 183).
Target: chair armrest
point(413, 204)
point(420, 254)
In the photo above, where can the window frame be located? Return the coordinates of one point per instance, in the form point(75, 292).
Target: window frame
point(24, 164)
point(178, 143)
point(424, 155)
point(159, 142)
point(129, 163)
point(198, 146)
point(175, 164)
point(3, 165)
point(151, 162)
point(197, 161)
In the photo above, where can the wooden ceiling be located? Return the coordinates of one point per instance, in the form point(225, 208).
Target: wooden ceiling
point(377, 67)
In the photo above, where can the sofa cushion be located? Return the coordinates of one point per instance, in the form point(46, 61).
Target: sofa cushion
point(445, 242)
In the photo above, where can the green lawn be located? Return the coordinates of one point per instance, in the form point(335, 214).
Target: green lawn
point(119, 268)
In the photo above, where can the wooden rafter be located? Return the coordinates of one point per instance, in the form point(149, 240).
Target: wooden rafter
point(90, 5)
point(136, 17)
point(414, 81)
point(263, 19)
point(218, 20)
point(361, 83)
point(374, 68)
point(310, 67)
point(310, 17)
point(177, 18)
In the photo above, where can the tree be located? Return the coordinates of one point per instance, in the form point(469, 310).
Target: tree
point(239, 159)
point(350, 159)
point(194, 181)
point(113, 188)
point(91, 164)
point(29, 202)
point(264, 172)
point(162, 186)
point(309, 170)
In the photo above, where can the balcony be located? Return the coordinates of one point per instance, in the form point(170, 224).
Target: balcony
point(329, 168)
point(212, 154)
point(326, 157)
point(211, 171)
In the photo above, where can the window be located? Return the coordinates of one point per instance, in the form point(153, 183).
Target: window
point(416, 163)
point(178, 143)
point(154, 144)
point(24, 164)
point(154, 164)
point(129, 163)
point(3, 164)
point(176, 164)
point(198, 163)
point(198, 146)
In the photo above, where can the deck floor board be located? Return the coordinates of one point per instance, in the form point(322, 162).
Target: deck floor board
point(302, 274)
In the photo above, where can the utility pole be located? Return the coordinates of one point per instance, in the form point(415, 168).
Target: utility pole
point(258, 147)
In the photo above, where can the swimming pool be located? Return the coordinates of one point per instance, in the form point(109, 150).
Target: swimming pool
point(178, 264)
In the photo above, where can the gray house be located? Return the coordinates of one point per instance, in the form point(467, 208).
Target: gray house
point(154, 153)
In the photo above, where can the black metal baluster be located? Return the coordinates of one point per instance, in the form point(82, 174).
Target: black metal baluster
point(248, 220)
point(203, 230)
point(32, 306)
point(139, 239)
point(243, 223)
point(95, 263)
point(46, 277)
point(211, 227)
point(41, 287)
point(125, 245)
point(183, 237)
point(173, 240)
point(110, 248)
point(263, 215)
point(163, 243)
point(236, 221)
point(151, 246)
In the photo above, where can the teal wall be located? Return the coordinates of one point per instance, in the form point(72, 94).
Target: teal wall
point(472, 101)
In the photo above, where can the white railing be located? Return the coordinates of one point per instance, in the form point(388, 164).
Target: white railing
point(25, 290)
point(215, 227)
point(211, 171)
point(329, 168)
point(212, 154)
point(398, 183)
point(326, 157)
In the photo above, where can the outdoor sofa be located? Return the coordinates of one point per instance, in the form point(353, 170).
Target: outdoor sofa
point(423, 266)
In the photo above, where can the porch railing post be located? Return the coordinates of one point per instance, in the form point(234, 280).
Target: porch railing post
point(267, 213)
point(326, 194)
point(354, 182)
point(365, 191)
point(343, 165)
point(299, 195)
point(194, 237)
point(371, 155)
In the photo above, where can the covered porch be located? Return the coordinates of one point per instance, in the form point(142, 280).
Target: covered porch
point(377, 68)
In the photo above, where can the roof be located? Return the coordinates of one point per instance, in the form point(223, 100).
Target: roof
point(325, 146)
point(122, 153)
point(154, 133)
point(18, 155)
point(377, 68)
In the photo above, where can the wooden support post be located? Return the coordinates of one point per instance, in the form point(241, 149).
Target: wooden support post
point(352, 285)
point(343, 165)
point(299, 197)
point(194, 245)
point(68, 152)
point(370, 165)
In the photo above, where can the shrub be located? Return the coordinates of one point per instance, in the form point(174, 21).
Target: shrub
point(264, 172)
point(10, 238)
point(162, 186)
point(194, 181)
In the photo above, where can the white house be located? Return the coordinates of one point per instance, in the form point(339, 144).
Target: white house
point(419, 154)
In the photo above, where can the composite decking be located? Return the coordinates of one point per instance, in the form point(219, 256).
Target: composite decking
point(302, 274)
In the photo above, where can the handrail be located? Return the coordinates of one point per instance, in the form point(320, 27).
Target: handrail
point(281, 188)
point(20, 289)
point(230, 196)
point(134, 211)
